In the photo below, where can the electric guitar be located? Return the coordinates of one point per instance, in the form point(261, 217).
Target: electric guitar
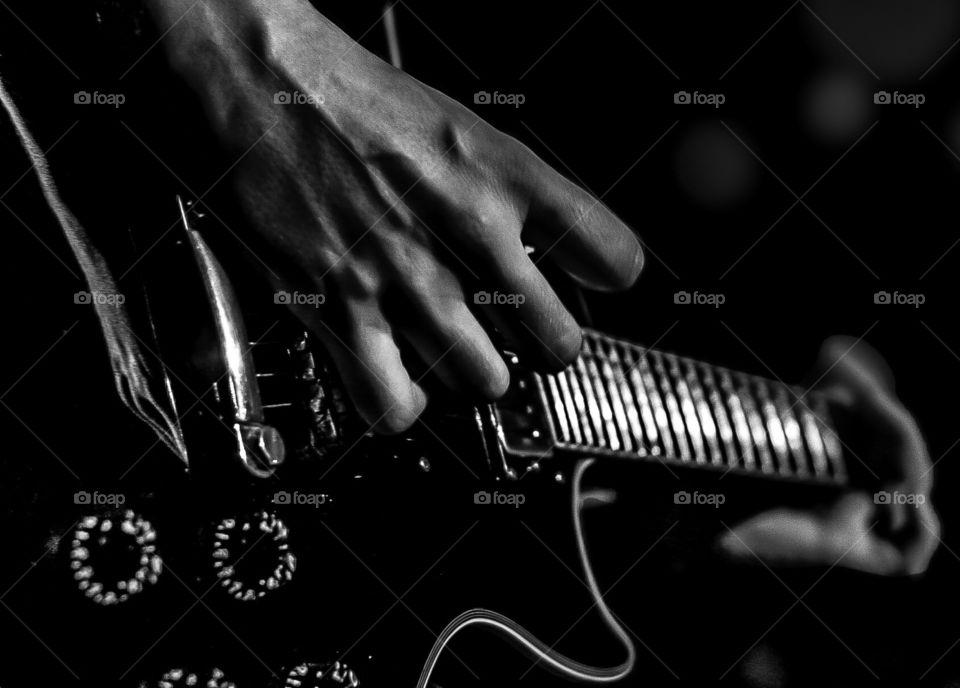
point(326, 555)
point(289, 547)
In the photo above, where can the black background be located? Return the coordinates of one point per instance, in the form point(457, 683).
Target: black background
point(598, 105)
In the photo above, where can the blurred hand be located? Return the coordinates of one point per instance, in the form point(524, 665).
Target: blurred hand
point(385, 195)
point(856, 532)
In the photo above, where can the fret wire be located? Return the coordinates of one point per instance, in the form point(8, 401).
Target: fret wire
point(659, 411)
point(831, 443)
point(621, 398)
point(720, 414)
point(568, 402)
point(755, 423)
point(673, 408)
point(740, 426)
point(559, 410)
point(633, 407)
point(814, 442)
point(579, 373)
point(582, 412)
point(707, 424)
point(647, 408)
point(792, 430)
point(688, 409)
point(613, 391)
point(775, 434)
point(606, 410)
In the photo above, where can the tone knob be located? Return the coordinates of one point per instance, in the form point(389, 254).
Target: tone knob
point(106, 543)
point(308, 675)
point(174, 678)
point(252, 555)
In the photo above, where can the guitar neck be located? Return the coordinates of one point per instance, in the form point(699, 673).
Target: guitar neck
point(620, 399)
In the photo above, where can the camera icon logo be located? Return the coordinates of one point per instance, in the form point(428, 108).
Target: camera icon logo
point(882, 497)
point(482, 298)
point(681, 297)
point(482, 98)
point(682, 98)
point(83, 298)
point(882, 297)
point(481, 497)
point(282, 98)
point(881, 98)
point(682, 497)
point(282, 297)
point(281, 497)
point(82, 497)
point(82, 98)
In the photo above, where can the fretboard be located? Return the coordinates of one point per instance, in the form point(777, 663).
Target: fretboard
point(622, 399)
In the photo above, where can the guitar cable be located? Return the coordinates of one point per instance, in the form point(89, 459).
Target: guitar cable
point(529, 644)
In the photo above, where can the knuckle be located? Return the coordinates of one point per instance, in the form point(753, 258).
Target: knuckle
point(353, 278)
point(481, 224)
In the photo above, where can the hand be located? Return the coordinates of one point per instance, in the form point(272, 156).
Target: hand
point(855, 531)
point(388, 197)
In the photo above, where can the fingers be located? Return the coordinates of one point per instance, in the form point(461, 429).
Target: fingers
point(368, 361)
point(926, 538)
point(546, 328)
point(854, 364)
point(513, 293)
point(455, 347)
point(840, 537)
point(847, 535)
point(580, 234)
point(782, 537)
point(859, 374)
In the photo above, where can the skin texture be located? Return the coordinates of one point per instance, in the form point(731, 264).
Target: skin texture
point(398, 204)
point(390, 198)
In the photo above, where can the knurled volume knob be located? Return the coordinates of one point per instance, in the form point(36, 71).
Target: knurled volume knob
point(309, 675)
point(252, 555)
point(105, 541)
point(174, 678)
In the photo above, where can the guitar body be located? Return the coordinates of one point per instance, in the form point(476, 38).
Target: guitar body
point(392, 538)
